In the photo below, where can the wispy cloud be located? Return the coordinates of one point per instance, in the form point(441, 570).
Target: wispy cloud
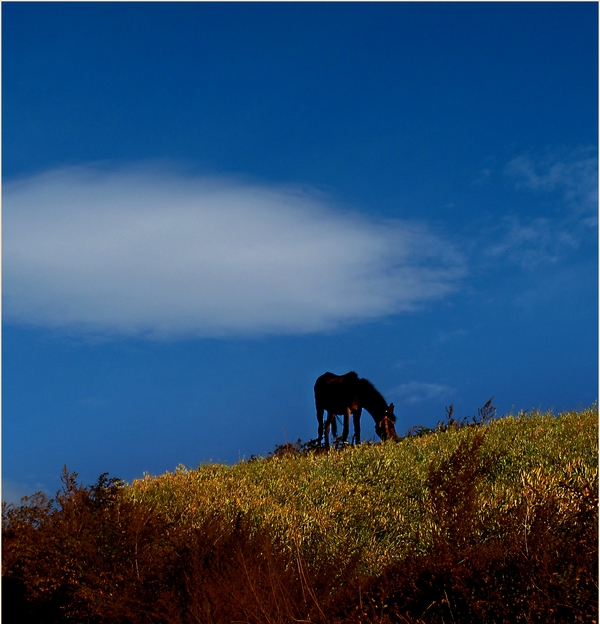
point(573, 175)
point(572, 181)
point(532, 242)
point(14, 491)
point(419, 392)
point(164, 254)
point(451, 336)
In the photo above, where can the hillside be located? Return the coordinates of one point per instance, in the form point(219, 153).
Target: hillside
point(488, 523)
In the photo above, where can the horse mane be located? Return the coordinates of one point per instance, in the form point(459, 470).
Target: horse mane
point(372, 397)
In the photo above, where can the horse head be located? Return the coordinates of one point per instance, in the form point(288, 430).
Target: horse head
point(385, 427)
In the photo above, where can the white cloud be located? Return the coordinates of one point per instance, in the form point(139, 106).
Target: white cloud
point(419, 392)
point(164, 254)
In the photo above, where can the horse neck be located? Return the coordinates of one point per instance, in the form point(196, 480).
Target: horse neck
point(372, 400)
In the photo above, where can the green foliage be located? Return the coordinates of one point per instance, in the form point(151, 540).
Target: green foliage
point(480, 520)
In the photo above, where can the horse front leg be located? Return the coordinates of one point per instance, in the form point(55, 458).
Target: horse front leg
point(356, 418)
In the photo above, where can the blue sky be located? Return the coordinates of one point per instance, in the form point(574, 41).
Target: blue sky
point(206, 206)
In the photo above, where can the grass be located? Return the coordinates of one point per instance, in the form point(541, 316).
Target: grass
point(376, 499)
point(488, 523)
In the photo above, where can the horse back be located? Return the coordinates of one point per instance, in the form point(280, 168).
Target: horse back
point(335, 393)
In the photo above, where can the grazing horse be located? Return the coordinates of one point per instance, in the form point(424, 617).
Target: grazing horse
point(348, 394)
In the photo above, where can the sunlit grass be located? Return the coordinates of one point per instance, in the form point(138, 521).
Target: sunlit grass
point(373, 503)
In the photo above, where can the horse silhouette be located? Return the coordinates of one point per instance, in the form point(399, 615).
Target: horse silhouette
point(349, 394)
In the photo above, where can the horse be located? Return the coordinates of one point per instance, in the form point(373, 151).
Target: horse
point(348, 394)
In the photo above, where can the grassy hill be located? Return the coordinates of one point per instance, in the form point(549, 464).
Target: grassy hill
point(488, 523)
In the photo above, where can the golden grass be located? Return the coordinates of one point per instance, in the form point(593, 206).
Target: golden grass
point(374, 503)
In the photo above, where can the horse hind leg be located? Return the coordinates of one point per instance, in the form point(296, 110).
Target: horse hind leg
point(328, 423)
point(320, 413)
point(356, 419)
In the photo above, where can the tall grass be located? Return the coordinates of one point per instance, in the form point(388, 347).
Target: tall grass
point(487, 523)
